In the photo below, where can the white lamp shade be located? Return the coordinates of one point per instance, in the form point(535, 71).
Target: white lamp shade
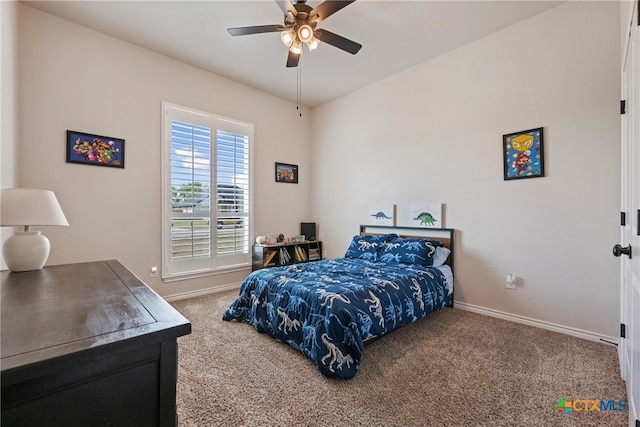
point(27, 207)
point(312, 44)
point(296, 47)
point(287, 37)
point(28, 250)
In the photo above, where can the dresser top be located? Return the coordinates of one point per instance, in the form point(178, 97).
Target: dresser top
point(66, 309)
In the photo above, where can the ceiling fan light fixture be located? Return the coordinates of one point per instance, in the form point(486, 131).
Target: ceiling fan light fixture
point(296, 47)
point(300, 21)
point(312, 44)
point(305, 33)
point(287, 37)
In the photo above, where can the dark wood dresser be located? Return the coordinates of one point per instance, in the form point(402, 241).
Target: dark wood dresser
point(87, 344)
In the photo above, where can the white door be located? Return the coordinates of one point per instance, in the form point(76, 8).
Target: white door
point(629, 248)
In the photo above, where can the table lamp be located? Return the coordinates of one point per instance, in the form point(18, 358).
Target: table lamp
point(28, 250)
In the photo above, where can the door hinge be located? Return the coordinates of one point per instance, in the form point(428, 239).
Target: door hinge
point(638, 223)
point(623, 218)
point(623, 330)
point(623, 105)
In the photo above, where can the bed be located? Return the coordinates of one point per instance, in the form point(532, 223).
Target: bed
point(329, 309)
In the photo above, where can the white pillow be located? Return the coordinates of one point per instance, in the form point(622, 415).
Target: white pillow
point(440, 256)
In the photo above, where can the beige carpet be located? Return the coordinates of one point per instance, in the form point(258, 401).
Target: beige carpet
point(453, 368)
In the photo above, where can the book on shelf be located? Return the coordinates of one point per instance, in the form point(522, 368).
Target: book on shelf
point(285, 258)
point(299, 254)
point(268, 257)
point(314, 254)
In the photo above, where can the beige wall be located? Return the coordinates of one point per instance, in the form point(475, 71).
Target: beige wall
point(626, 18)
point(9, 99)
point(434, 133)
point(8, 93)
point(431, 133)
point(74, 78)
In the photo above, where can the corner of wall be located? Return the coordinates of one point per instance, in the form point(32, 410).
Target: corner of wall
point(9, 100)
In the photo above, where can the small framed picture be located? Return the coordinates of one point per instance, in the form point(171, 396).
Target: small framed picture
point(382, 214)
point(425, 214)
point(286, 173)
point(523, 154)
point(98, 150)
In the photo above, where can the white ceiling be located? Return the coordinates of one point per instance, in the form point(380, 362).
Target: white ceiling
point(395, 35)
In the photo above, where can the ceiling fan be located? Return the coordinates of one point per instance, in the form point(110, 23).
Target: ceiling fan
point(300, 21)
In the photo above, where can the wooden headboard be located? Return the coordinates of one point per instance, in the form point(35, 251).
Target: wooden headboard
point(444, 235)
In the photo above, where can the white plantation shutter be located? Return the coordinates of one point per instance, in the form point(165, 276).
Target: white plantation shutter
point(190, 191)
point(232, 193)
point(207, 193)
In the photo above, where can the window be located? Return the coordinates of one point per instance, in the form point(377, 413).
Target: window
point(205, 157)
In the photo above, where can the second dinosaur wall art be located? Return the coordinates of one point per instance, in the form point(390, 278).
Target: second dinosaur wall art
point(424, 214)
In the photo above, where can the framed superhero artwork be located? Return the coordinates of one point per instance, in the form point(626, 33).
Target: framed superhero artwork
point(523, 154)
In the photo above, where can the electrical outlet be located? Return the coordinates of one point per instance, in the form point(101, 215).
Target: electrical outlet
point(153, 271)
point(511, 281)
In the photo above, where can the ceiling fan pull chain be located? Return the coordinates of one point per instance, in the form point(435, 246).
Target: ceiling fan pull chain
point(299, 97)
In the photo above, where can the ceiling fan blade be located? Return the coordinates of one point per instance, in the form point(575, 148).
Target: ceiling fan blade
point(337, 41)
point(258, 29)
point(327, 8)
point(287, 8)
point(292, 59)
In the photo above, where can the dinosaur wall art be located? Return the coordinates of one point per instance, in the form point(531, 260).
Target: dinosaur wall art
point(382, 214)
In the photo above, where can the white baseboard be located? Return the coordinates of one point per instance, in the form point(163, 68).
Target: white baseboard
point(200, 292)
point(537, 323)
point(461, 305)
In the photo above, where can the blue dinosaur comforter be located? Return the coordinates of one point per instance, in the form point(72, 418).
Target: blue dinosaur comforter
point(327, 309)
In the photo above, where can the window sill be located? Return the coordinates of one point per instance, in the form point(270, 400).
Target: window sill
point(205, 273)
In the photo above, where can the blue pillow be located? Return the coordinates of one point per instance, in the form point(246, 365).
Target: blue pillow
point(401, 250)
point(367, 247)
